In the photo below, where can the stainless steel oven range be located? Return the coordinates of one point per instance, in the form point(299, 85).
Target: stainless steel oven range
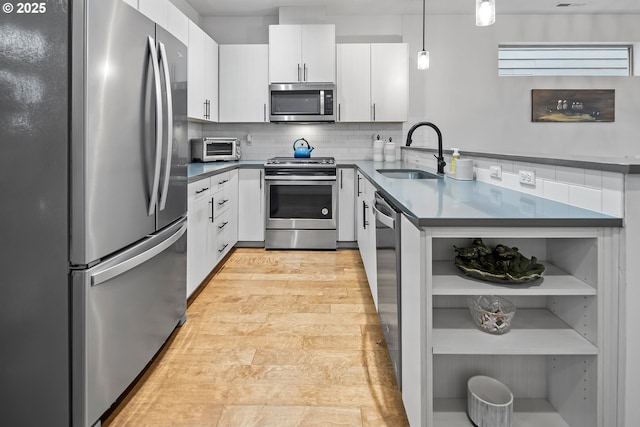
point(301, 203)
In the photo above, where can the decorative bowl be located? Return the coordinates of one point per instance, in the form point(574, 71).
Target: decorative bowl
point(491, 313)
point(500, 264)
point(489, 402)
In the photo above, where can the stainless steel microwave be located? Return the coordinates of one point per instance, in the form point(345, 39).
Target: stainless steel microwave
point(212, 149)
point(302, 102)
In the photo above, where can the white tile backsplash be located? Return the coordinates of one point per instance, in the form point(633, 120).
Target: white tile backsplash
point(593, 178)
point(584, 197)
point(601, 191)
point(557, 191)
point(344, 141)
point(570, 175)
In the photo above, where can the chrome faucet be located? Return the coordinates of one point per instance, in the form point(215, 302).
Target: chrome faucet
point(440, 157)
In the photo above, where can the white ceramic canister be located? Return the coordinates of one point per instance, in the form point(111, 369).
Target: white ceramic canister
point(464, 169)
point(378, 150)
point(390, 152)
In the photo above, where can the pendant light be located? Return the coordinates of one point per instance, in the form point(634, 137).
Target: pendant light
point(485, 12)
point(423, 55)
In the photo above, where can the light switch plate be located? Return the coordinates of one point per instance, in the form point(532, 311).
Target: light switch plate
point(495, 171)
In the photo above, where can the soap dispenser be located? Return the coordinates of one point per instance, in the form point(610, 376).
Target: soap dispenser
point(454, 158)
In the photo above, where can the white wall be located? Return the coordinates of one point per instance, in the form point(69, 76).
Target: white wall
point(479, 111)
point(462, 93)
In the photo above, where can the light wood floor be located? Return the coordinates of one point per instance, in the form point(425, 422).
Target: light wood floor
point(276, 338)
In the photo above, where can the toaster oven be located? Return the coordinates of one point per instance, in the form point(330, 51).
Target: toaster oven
point(213, 149)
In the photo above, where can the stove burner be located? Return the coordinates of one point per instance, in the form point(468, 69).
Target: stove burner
point(301, 161)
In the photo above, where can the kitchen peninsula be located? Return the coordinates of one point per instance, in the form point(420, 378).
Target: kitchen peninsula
point(560, 358)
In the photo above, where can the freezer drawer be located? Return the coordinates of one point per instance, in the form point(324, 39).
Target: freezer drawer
point(123, 310)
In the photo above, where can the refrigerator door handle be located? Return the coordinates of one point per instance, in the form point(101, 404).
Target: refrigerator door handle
point(131, 263)
point(153, 199)
point(167, 88)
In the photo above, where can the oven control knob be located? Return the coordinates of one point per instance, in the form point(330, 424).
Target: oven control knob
point(324, 211)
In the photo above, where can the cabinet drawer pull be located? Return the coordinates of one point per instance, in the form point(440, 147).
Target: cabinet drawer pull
point(223, 247)
point(221, 226)
point(364, 215)
point(223, 181)
point(223, 202)
point(212, 215)
point(202, 191)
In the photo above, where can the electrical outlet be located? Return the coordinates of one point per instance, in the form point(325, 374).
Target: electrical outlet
point(527, 177)
point(495, 171)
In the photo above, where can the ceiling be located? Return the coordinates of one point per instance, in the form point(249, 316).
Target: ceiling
point(400, 7)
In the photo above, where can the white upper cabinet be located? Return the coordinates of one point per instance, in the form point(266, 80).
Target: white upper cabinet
point(244, 83)
point(319, 53)
point(202, 90)
point(353, 82)
point(133, 3)
point(302, 53)
point(389, 81)
point(165, 14)
point(156, 10)
point(177, 23)
point(372, 82)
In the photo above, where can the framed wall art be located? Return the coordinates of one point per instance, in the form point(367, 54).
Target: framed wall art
point(572, 105)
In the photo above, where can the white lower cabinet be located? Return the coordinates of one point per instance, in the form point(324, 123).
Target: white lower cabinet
point(212, 224)
point(366, 231)
point(199, 208)
point(346, 205)
point(559, 359)
point(251, 202)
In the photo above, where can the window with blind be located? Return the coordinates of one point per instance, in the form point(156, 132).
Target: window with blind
point(564, 60)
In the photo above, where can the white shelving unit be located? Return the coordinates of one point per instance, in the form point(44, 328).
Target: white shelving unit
point(559, 358)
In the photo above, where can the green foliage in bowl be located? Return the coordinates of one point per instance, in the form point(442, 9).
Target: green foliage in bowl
point(501, 264)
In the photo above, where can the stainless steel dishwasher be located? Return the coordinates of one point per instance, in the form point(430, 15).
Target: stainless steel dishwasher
point(388, 274)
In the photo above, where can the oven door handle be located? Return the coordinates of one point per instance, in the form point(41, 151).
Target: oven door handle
point(298, 178)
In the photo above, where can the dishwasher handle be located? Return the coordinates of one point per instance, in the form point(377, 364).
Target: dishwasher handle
point(384, 219)
point(380, 209)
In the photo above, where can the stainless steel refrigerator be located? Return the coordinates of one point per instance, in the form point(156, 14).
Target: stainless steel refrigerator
point(93, 155)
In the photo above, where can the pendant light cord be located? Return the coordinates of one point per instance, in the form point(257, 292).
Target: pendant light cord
point(423, 21)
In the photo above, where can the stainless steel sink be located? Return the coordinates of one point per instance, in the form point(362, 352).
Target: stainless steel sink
point(407, 174)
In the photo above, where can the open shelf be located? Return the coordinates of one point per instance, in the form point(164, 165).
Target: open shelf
point(526, 413)
point(448, 280)
point(533, 332)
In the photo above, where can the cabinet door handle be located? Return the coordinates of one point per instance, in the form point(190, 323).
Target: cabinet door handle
point(223, 247)
point(223, 202)
point(264, 112)
point(359, 192)
point(364, 215)
point(204, 115)
point(298, 72)
point(341, 178)
point(260, 180)
point(211, 203)
point(305, 72)
point(339, 112)
point(374, 111)
point(221, 226)
point(202, 191)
